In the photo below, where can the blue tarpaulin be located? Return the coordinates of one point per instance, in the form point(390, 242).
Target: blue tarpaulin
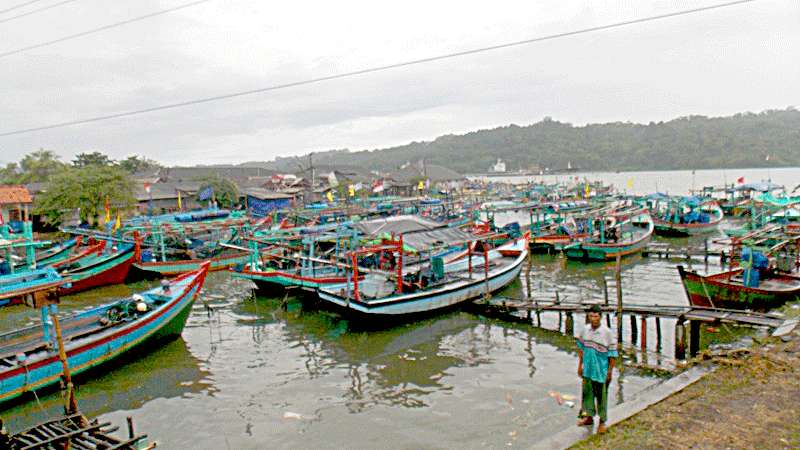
point(261, 207)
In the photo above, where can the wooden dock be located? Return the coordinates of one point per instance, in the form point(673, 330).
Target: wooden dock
point(683, 315)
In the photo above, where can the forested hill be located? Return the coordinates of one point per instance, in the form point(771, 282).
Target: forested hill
point(770, 138)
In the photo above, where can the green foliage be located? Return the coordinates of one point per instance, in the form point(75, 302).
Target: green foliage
point(694, 142)
point(9, 174)
point(85, 188)
point(34, 167)
point(92, 159)
point(134, 164)
point(225, 191)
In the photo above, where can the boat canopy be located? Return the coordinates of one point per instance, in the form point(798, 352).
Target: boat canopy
point(427, 240)
point(395, 225)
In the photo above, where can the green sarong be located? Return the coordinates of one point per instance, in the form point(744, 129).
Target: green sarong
point(594, 399)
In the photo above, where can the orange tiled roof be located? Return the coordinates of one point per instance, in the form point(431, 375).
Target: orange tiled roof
point(14, 194)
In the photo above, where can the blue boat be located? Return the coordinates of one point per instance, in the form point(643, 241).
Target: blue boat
point(17, 287)
point(29, 359)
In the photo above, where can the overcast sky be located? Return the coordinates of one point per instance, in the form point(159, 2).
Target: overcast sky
point(719, 62)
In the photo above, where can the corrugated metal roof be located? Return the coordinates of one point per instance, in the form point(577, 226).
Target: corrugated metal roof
point(13, 194)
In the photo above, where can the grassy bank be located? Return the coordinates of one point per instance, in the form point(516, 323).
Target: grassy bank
point(748, 402)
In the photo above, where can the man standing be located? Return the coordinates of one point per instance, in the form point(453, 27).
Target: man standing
point(597, 348)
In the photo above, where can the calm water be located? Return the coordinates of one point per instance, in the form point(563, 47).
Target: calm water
point(675, 182)
point(255, 375)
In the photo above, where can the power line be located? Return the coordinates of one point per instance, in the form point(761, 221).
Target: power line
point(19, 6)
point(103, 28)
point(44, 8)
point(373, 69)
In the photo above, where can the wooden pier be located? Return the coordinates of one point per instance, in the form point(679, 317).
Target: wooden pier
point(683, 315)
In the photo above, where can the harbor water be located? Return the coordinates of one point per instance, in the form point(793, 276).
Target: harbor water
point(253, 372)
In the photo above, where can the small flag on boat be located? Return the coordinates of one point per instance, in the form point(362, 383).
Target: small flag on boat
point(630, 183)
point(330, 196)
point(740, 180)
point(351, 190)
point(118, 223)
point(108, 209)
point(588, 190)
point(421, 185)
point(377, 186)
point(147, 187)
point(179, 201)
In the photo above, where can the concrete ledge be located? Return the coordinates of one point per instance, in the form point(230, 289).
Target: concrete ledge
point(617, 414)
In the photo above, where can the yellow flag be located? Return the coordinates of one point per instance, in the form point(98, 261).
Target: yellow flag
point(421, 185)
point(351, 190)
point(118, 223)
point(588, 190)
point(330, 196)
point(630, 183)
point(179, 202)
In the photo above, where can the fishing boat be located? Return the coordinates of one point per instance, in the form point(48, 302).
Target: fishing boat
point(767, 275)
point(28, 357)
point(107, 267)
point(397, 295)
point(729, 289)
point(16, 287)
point(686, 216)
point(170, 268)
point(57, 253)
point(620, 233)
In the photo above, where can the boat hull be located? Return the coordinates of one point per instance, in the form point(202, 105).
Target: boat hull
point(427, 302)
point(716, 291)
point(278, 281)
point(113, 271)
point(172, 268)
point(603, 252)
point(167, 322)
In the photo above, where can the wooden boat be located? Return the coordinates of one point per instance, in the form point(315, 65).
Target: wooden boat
point(171, 268)
point(57, 253)
point(634, 231)
point(103, 269)
point(728, 290)
point(689, 220)
point(15, 287)
point(376, 295)
point(96, 336)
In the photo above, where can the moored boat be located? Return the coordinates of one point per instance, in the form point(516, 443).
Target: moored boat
point(621, 234)
point(110, 266)
point(29, 359)
point(16, 287)
point(687, 216)
point(729, 289)
point(378, 295)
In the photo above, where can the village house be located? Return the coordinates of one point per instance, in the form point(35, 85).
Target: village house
point(15, 204)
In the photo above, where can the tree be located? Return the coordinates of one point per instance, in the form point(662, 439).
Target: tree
point(134, 164)
point(225, 191)
point(85, 188)
point(39, 166)
point(9, 174)
point(92, 159)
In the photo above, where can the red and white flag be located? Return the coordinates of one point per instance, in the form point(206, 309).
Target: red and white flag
point(377, 186)
point(740, 180)
point(147, 187)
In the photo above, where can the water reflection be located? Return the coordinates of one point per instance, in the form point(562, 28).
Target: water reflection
point(170, 371)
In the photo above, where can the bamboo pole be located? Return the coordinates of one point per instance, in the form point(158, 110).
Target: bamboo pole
point(618, 278)
point(70, 406)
